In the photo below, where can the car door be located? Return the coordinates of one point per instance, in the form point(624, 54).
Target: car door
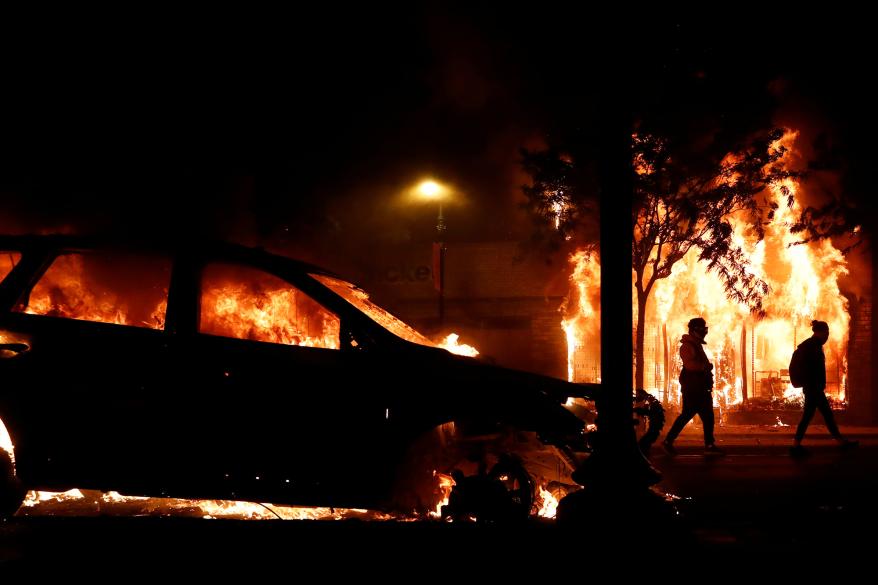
point(94, 324)
point(273, 407)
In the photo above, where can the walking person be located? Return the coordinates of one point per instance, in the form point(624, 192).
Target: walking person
point(808, 371)
point(696, 385)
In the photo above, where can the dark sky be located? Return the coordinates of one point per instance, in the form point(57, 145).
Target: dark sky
point(304, 128)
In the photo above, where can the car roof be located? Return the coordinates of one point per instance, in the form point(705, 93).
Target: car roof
point(214, 249)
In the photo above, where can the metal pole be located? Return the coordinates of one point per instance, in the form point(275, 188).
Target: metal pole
point(440, 231)
point(667, 379)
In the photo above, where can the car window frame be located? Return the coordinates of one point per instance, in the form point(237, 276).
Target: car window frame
point(36, 263)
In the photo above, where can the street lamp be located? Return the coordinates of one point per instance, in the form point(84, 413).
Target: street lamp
point(433, 191)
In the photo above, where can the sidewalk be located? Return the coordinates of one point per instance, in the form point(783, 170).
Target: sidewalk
point(767, 435)
point(760, 499)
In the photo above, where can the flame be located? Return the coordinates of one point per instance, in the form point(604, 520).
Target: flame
point(255, 511)
point(559, 209)
point(549, 506)
point(794, 395)
point(60, 503)
point(450, 344)
point(51, 503)
point(6, 442)
point(32, 498)
point(583, 318)
point(445, 484)
point(117, 498)
point(245, 303)
point(68, 290)
point(747, 354)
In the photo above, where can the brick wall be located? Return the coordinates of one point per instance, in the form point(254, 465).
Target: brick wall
point(505, 305)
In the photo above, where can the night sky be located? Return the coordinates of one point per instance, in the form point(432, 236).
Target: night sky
point(301, 130)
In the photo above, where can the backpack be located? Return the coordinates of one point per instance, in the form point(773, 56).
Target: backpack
point(797, 368)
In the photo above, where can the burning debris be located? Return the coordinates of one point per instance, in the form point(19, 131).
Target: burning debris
point(89, 502)
point(76, 502)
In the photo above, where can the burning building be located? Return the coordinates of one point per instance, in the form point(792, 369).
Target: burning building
point(750, 352)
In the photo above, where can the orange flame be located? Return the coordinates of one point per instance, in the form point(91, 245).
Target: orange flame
point(6, 442)
point(450, 343)
point(54, 503)
point(34, 498)
point(68, 290)
point(245, 303)
point(549, 506)
point(445, 484)
point(583, 321)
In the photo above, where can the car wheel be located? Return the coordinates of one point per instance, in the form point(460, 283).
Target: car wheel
point(11, 491)
point(649, 419)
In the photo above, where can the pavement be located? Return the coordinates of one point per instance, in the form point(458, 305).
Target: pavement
point(758, 498)
point(753, 505)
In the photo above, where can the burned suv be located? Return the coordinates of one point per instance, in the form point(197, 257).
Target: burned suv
point(221, 371)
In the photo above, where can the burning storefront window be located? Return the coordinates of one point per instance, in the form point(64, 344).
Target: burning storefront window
point(246, 303)
point(107, 288)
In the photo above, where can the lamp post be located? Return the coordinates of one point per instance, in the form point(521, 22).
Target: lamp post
point(433, 191)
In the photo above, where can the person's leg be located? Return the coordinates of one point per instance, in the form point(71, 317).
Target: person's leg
point(680, 422)
point(826, 410)
point(705, 411)
point(807, 415)
point(690, 408)
point(822, 404)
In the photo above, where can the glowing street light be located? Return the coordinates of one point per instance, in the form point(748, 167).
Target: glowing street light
point(433, 191)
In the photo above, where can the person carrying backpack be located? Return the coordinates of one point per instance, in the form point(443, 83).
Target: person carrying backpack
point(808, 371)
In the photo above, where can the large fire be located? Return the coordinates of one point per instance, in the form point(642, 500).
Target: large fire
point(750, 355)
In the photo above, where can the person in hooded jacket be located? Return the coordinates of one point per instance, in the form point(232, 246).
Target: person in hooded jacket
point(696, 385)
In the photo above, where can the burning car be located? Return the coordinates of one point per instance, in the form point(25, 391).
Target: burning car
point(220, 371)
